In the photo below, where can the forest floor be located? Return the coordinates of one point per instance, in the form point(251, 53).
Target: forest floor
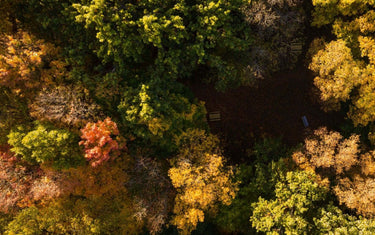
point(272, 109)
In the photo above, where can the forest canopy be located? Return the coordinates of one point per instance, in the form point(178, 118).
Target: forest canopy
point(102, 133)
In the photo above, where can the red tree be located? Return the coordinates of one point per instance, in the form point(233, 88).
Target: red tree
point(98, 142)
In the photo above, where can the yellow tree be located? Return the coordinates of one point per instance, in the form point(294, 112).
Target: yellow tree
point(345, 67)
point(201, 180)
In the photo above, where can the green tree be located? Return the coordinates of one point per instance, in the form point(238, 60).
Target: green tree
point(255, 180)
point(156, 113)
point(298, 197)
point(331, 220)
point(167, 39)
point(4, 221)
point(44, 144)
point(327, 11)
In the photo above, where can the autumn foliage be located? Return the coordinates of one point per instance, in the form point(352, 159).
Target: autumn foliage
point(341, 164)
point(277, 25)
point(101, 133)
point(200, 187)
point(329, 150)
point(29, 64)
point(105, 179)
point(14, 182)
point(22, 185)
point(68, 105)
point(149, 180)
point(101, 141)
point(201, 179)
point(344, 67)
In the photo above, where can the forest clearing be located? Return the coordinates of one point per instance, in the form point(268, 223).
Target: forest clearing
point(273, 109)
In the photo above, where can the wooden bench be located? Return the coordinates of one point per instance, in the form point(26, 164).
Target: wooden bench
point(296, 47)
point(214, 116)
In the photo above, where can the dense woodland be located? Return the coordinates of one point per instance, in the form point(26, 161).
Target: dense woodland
point(101, 133)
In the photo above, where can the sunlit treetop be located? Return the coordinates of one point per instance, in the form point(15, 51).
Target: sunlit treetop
point(45, 144)
point(327, 11)
point(202, 180)
point(167, 39)
point(345, 66)
point(102, 141)
point(341, 164)
point(29, 64)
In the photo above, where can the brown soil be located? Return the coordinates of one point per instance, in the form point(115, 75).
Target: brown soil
point(273, 109)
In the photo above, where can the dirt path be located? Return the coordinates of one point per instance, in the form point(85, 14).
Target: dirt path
point(273, 109)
